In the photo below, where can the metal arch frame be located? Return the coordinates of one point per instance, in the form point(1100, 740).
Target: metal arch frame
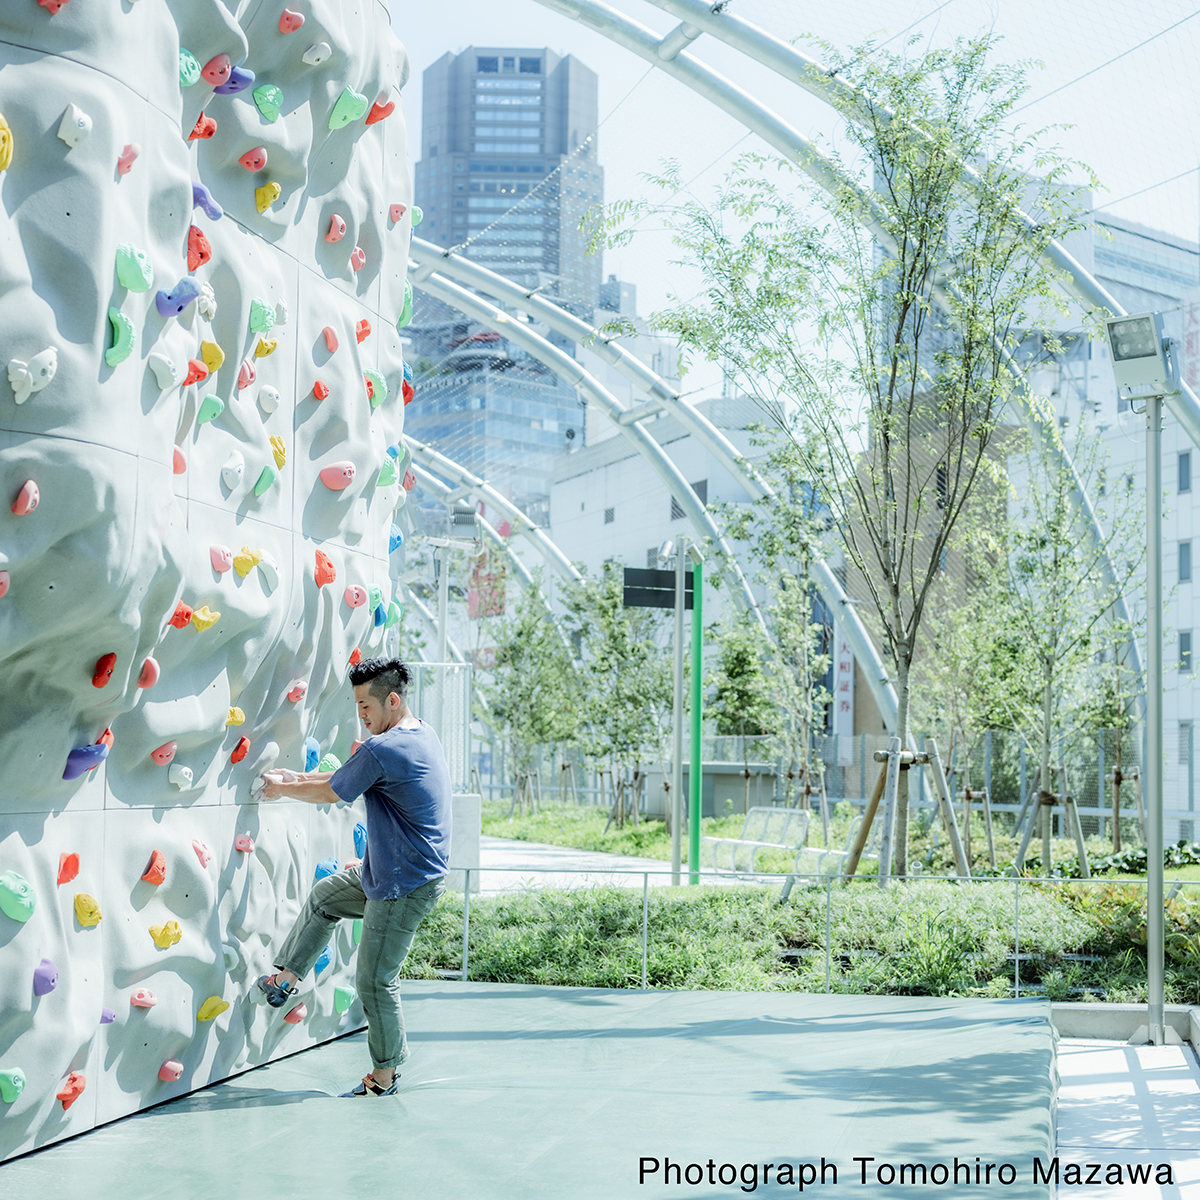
point(663, 396)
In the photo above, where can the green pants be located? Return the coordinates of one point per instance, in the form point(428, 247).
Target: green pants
point(388, 930)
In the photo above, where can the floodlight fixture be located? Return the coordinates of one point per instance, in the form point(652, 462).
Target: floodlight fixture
point(1143, 357)
point(665, 551)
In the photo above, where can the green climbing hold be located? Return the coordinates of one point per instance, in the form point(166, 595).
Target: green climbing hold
point(211, 407)
point(12, 1082)
point(343, 997)
point(189, 68)
point(375, 599)
point(16, 896)
point(124, 338)
point(265, 480)
point(330, 762)
point(350, 106)
point(269, 100)
point(378, 390)
point(387, 473)
point(262, 316)
point(395, 614)
point(356, 930)
point(133, 268)
point(418, 215)
point(406, 311)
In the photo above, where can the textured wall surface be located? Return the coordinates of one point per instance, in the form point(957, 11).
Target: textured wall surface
point(120, 537)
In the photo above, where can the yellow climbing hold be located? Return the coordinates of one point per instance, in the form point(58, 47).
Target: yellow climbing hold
point(213, 356)
point(265, 346)
point(87, 909)
point(213, 1007)
point(6, 145)
point(204, 618)
point(236, 716)
point(246, 560)
point(266, 195)
point(166, 934)
point(280, 451)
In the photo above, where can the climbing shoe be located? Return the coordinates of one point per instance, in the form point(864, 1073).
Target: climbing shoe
point(369, 1087)
point(277, 993)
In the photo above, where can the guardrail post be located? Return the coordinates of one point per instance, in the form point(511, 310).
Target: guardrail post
point(466, 920)
point(1016, 939)
point(828, 902)
point(645, 921)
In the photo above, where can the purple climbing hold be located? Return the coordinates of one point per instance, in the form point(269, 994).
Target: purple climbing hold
point(240, 78)
point(172, 303)
point(83, 758)
point(45, 978)
point(202, 198)
point(107, 1016)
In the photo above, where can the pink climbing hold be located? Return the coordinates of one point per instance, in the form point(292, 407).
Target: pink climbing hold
point(53, 6)
point(203, 853)
point(296, 1015)
point(244, 842)
point(178, 461)
point(356, 596)
point(104, 669)
point(216, 70)
point(380, 111)
point(338, 476)
point(396, 212)
point(240, 750)
point(254, 160)
point(127, 158)
point(164, 753)
point(354, 745)
point(409, 481)
point(358, 258)
point(150, 673)
point(156, 868)
point(290, 21)
point(246, 375)
point(68, 867)
point(143, 998)
point(27, 499)
point(297, 690)
point(171, 1070)
point(222, 558)
point(4, 582)
point(331, 339)
point(337, 229)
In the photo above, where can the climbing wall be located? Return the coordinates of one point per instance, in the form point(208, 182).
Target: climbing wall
point(204, 221)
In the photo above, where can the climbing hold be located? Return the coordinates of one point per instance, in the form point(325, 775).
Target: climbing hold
point(182, 616)
point(395, 614)
point(380, 615)
point(337, 229)
point(356, 930)
point(406, 310)
point(189, 68)
point(197, 372)
point(240, 78)
point(279, 450)
point(156, 869)
point(149, 674)
point(45, 978)
point(206, 304)
point(408, 381)
point(4, 582)
point(203, 618)
point(396, 212)
point(167, 934)
point(265, 347)
point(104, 670)
point(231, 472)
point(123, 337)
point(360, 839)
point(27, 499)
point(321, 390)
point(16, 896)
point(325, 572)
point(178, 461)
point(211, 407)
point(338, 476)
point(134, 268)
point(266, 477)
point(236, 716)
point(143, 998)
point(387, 473)
point(410, 481)
point(254, 160)
point(180, 777)
point(297, 690)
point(266, 195)
point(355, 596)
point(268, 568)
point(6, 145)
point(202, 198)
point(281, 313)
point(230, 955)
point(343, 996)
point(358, 258)
point(418, 215)
point(128, 157)
point(164, 753)
point(221, 556)
point(245, 561)
point(165, 371)
point(199, 248)
point(212, 1008)
point(315, 55)
point(171, 1070)
point(107, 1016)
point(246, 374)
point(380, 111)
point(83, 759)
point(362, 331)
point(350, 107)
point(172, 303)
point(72, 1089)
point(213, 356)
point(25, 378)
point(376, 598)
point(203, 853)
point(290, 21)
point(312, 753)
point(262, 316)
point(327, 866)
point(244, 843)
point(74, 126)
point(269, 100)
point(395, 538)
point(216, 70)
point(355, 657)
point(331, 339)
point(106, 739)
point(68, 867)
point(87, 910)
point(203, 129)
point(292, 1017)
point(12, 1081)
point(323, 961)
point(330, 762)
point(268, 399)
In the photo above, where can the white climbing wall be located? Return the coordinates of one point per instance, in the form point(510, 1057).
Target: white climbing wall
point(137, 480)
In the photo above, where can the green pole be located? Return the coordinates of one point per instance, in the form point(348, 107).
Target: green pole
point(697, 713)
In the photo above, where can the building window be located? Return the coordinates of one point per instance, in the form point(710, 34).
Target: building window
point(1185, 741)
point(1185, 650)
point(531, 66)
point(510, 66)
point(610, 515)
point(1185, 470)
point(1185, 562)
point(652, 558)
point(487, 66)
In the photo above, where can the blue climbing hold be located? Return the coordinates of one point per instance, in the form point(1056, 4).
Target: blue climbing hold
point(380, 616)
point(172, 303)
point(322, 962)
point(240, 78)
point(327, 866)
point(83, 758)
point(395, 538)
point(394, 450)
point(312, 754)
point(408, 374)
point(202, 198)
point(360, 839)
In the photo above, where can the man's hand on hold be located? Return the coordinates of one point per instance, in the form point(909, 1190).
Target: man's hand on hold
point(269, 787)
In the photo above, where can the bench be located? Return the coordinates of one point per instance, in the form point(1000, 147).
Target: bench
point(764, 829)
point(815, 860)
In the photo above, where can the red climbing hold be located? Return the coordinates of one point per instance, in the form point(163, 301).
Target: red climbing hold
point(199, 248)
point(296, 1015)
point(68, 867)
point(171, 1070)
point(355, 656)
point(150, 673)
point(197, 372)
point(240, 750)
point(54, 6)
point(156, 869)
point(370, 388)
point(406, 390)
point(106, 739)
point(182, 617)
point(321, 390)
point(204, 128)
point(331, 339)
point(104, 670)
point(27, 499)
point(325, 572)
point(76, 1081)
point(380, 111)
point(409, 481)
point(362, 330)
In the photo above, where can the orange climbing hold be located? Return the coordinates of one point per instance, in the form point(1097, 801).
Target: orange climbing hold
point(105, 665)
point(197, 372)
point(325, 573)
point(320, 390)
point(182, 617)
point(199, 248)
point(380, 111)
point(156, 870)
point(72, 1089)
point(68, 867)
point(204, 128)
point(164, 753)
point(240, 750)
point(355, 657)
point(106, 739)
point(362, 330)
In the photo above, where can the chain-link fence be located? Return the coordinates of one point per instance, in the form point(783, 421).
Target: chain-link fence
point(440, 694)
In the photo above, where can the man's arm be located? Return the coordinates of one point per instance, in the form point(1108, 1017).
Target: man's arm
point(310, 786)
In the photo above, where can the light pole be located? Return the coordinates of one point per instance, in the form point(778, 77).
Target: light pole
point(1143, 359)
point(664, 554)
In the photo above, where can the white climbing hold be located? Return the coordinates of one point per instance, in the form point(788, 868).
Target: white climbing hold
point(230, 954)
point(74, 126)
point(268, 398)
point(269, 569)
point(316, 55)
point(231, 472)
point(25, 378)
point(181, 777)
point(165, 371)
point(281, 313)
point(206, 302)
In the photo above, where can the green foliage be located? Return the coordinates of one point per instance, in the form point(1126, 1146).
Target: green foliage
point(741, 700)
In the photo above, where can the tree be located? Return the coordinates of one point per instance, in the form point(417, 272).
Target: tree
point(741, 697)
point(884, 313)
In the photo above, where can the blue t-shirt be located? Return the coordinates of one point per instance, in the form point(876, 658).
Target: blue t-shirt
point(402, 775)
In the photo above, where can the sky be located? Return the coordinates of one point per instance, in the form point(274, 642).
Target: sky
point(1119, 84)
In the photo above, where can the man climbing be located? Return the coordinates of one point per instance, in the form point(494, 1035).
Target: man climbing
point(401, 773)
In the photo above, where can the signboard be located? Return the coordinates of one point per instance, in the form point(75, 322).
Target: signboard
point(646, 588)
point(843, 697)
point(485, 593)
